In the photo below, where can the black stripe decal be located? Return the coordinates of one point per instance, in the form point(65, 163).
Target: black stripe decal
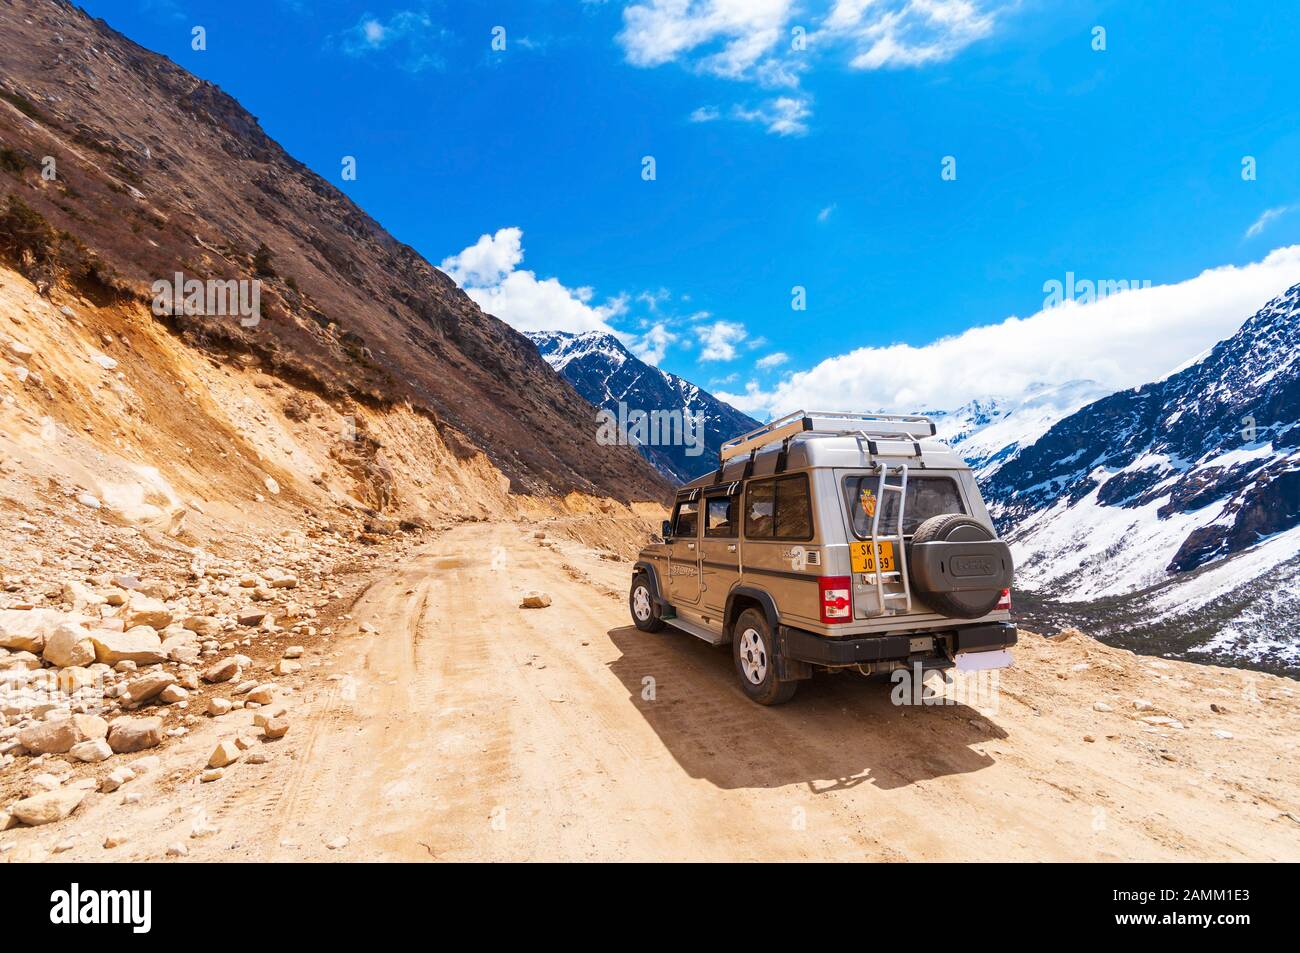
point(783, 573)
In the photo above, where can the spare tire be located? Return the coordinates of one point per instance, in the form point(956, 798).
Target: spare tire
point(957, 566)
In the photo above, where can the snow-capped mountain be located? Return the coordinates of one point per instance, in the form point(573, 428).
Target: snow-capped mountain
point(607, 374)
point(1185, 491)
point(992, 431)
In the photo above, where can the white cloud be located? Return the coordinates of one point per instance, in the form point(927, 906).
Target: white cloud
point(751, 40)
point(705, 114)
point(413, 31)
point(825, 213)
point(718, 340)
point(653, 344)
point(772, 360)
point(783, 116)
point(912, 33)
point(1122, 340)
point(488, 272)
point(488, 260)
point(752, 401)
point(739, 33)
point(1268, 215)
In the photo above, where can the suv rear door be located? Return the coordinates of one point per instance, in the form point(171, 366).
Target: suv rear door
point(929, 493)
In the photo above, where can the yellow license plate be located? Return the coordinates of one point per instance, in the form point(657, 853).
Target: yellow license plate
point(864, 560)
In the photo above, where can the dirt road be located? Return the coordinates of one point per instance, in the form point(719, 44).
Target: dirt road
point(479, 730)
point(467, 728)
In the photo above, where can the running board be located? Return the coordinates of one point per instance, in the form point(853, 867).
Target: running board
point(695, 629)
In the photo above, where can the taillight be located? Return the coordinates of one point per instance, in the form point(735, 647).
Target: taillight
point(1004, 604)
point(836, 600)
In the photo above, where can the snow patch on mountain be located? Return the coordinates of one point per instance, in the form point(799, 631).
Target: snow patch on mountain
point(1179, 498)
point(607, 374)
point(991, 431)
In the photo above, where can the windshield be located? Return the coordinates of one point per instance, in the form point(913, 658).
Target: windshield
point(927, 496)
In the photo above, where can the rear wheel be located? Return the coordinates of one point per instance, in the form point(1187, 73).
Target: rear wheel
point(645, 612)
point(755, 653)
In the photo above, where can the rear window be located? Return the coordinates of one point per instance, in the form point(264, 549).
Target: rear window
point(778, 509)
point(927, 496)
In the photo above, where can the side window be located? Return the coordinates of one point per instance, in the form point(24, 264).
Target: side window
point(687, 520)
point(720, 516)
point(760, 506)
point(793, 509)
point(779, 509)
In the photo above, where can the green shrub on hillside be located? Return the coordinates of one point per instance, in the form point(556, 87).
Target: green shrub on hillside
point(29, 241)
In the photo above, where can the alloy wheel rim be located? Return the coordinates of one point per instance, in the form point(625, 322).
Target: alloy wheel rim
point(753, 657)
point(641, 603)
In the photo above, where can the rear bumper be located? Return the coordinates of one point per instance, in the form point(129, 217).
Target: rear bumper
point(798, 645)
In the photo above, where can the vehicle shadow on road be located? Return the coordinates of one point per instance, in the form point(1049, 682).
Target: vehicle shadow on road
point(839, 732)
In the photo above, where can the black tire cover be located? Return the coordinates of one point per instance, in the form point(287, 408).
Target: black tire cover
point(961, 603)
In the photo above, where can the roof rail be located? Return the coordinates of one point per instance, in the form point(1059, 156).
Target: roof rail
point(828, 423)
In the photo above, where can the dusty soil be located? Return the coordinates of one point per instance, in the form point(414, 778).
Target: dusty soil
point(466, 728)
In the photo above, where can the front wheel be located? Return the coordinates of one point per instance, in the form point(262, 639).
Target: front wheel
point(645, 612)
point(753, 647)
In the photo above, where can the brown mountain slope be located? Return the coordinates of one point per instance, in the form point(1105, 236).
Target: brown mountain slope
point(159, 172)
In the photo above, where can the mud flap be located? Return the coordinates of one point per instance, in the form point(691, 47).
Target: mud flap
point(787, 668)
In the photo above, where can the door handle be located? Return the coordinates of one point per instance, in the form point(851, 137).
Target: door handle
point(731, 547)
point(690, 545)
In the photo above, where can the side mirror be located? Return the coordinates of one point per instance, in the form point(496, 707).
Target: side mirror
point(666, 530)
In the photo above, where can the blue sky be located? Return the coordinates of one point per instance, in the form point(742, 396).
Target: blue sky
point(819, 168)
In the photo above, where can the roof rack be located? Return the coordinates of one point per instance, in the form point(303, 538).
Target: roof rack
point(909, 426)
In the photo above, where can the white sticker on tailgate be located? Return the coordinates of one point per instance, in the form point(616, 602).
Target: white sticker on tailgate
point(980, 661)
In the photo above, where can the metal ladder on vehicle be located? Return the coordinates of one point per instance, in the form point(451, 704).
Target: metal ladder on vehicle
point(900, 542)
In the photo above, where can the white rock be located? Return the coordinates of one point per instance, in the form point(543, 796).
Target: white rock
point(173, 694)
point(92, 751)
point(143, 610)
point(227, 752)
point(139, 645)
point(26, 630)
point(20, 351)
point(148, 686)
point(69, 645)
point(535, 599)
point(49, 807)
point(116, 778)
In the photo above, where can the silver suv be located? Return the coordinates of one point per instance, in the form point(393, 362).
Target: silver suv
point(832, 541)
